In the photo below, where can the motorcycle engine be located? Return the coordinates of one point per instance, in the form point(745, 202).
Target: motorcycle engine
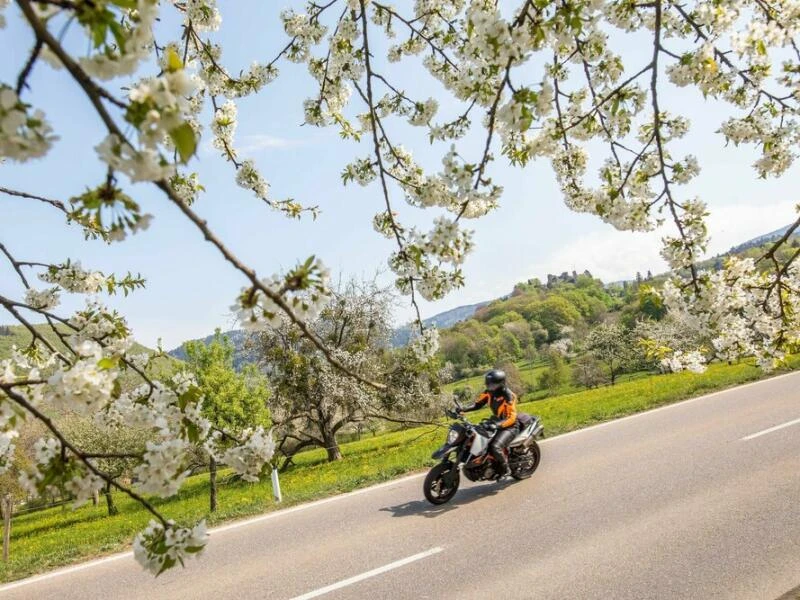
point(479, 472)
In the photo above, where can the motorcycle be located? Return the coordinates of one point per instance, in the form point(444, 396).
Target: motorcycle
point(466, 451)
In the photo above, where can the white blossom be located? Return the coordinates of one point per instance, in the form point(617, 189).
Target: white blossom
point(145, 164)
point(158, 548)
point(23, 134)
point(425, 345)
point(162, 471)
point(42, 300)
point(248, 459)
point(72, 278)
point(84, 388)
point(249, 178)
point(202, 14)
point(115, 61)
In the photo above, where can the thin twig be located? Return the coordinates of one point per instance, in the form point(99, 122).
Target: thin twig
point(26, 71)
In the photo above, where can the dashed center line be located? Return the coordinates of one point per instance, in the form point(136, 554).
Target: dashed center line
point(770, 430)
point(351, 580)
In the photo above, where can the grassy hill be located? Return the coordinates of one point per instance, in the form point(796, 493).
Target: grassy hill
point(19, 336)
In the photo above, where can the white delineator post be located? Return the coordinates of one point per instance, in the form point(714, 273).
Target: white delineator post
point(8, 508)
point(276, 485)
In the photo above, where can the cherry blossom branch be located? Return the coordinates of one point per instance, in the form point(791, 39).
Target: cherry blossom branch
point(91, 91)
point(723, 56)
point(609, 96)
point(83, 458)
point(660, 145)
point(16, 265)
point(10, 306)
point(416, 31)
point(492, 114)
point(375, 120)
point(258, 285)
point(781, 241)
point(54, 203)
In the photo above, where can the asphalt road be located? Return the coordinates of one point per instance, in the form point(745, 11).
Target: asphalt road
point(681, 502)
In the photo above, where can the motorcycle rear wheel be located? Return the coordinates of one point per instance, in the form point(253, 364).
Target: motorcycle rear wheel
point(441, 483)
point(533, 452)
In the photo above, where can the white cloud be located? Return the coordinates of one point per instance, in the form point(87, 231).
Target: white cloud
point(251, 144)
point(731, 225)
point(612, 255)
point(248, 144)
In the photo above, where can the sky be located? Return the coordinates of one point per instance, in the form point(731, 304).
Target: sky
point(190, 288)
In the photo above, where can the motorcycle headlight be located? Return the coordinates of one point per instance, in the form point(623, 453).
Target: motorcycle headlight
point(452, 436)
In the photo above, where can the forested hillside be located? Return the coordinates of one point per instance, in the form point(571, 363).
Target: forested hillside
point(573, 331)
point(538, 315)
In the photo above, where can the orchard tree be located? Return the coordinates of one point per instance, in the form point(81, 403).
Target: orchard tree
point(513, 377)
point(612, 345)
point(312, 401)
point(235, 402)
point(555, 375)
point(587, 371)
point(114, 450)
point(535, 79)
point(672, 343)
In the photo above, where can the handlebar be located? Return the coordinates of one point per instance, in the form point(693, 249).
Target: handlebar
point(459, 416)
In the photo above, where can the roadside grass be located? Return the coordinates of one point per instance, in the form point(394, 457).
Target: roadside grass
point(58, 536)
point(529, 373)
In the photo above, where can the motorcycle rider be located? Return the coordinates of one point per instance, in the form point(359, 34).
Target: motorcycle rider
point(503, 403)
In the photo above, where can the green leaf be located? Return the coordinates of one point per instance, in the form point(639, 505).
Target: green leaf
point(129, 4)
point(108, 362)
point(174, 62)
point(99, 31)
point(118, 33)
point(185, 141)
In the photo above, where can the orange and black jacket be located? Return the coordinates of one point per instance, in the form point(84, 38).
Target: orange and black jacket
point(502, 402)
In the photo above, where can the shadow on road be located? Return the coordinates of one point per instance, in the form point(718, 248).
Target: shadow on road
point(423, 508)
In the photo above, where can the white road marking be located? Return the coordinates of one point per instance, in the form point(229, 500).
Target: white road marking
point(770, 430)
point(279, 513)
point(351, 580)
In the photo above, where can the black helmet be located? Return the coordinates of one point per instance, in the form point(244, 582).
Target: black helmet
point(495, 379)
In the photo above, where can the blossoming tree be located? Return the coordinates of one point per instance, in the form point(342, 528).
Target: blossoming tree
point(313, 402)
point(534, 78)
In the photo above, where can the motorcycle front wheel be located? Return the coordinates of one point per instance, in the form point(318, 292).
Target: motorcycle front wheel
point(441, 483)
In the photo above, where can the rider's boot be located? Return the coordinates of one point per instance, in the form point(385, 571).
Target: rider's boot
point(502, 470)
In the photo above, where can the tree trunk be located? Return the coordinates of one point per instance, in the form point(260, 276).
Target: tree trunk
point(331, 445)
point(8, 508)
point(112, 509)
point(212, 479)
point(95, 498)
point(333, 452)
